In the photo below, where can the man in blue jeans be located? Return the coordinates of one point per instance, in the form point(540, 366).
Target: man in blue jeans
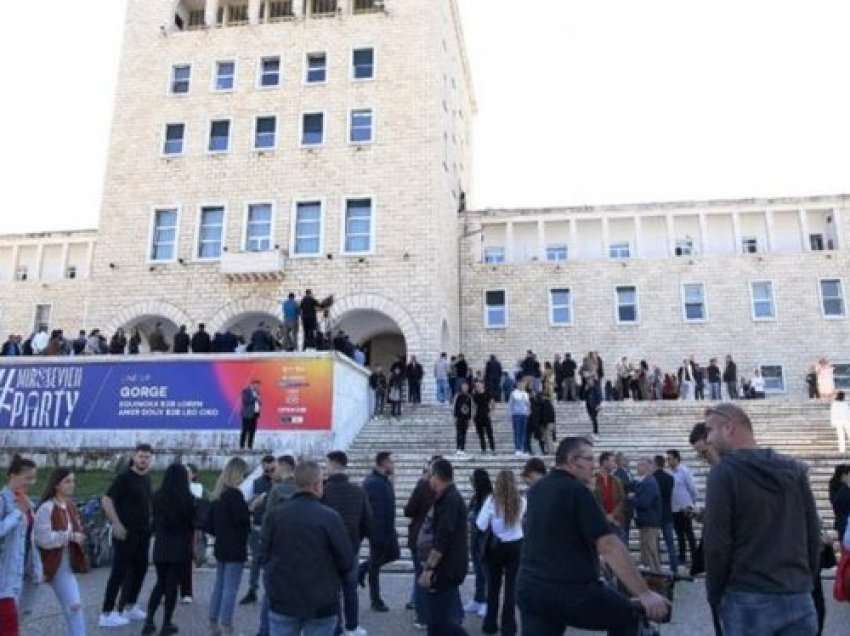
point(666, 484)
point(307, 553)
point(762, 536)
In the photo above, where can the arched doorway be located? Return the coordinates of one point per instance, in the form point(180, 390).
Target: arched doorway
point(145, 317)
point(376, 333)
point(245, 324)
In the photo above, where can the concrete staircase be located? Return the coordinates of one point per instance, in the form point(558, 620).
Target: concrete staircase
point(800, 429)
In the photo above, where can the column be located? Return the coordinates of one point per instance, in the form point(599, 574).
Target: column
point(16, 254)
point(804, 230)
point(606, 236)
point(541, 241)
point(299, 8)
point(573, 247)
point(703, 233)
point(39, 261)
point(509, 242)
point(839, 235)
point(211, 13)
point(254, 11)
point(771, 231)
point(63, 268)
point(736, 230)
point(637, 236)
point(90, 260)
point(671, 236)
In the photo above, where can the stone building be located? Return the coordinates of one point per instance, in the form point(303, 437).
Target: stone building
point(266, 146)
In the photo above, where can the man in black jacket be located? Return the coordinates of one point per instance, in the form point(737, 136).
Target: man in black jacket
point(444, 537)
point(493, 378)
point(730, 378)
point(201, 340)
point(414, 374)
point(569, 368)
point(260, 489)
point(351, 503)
point(181, 340)
point(307, 553)
point(416, 509)
point(666, 483)
point(383, 541)
point(309, 319)
point(762, 534)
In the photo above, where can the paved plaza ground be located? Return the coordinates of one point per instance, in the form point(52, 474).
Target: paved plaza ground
point(691, 616)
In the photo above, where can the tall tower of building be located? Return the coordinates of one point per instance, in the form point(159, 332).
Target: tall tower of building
point(266, 146)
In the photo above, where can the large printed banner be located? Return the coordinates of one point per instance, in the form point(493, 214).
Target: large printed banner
point(296, 394)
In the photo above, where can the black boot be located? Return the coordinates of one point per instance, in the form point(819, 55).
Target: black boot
point(149, 628)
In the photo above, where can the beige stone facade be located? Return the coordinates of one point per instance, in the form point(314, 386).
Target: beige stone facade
point(763, 279)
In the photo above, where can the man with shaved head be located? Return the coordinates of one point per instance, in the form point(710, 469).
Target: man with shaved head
point(762, 533)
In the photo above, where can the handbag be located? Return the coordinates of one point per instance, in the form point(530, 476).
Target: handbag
point(489, 543)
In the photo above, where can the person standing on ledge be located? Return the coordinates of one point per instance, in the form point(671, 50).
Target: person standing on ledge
point(251, 407)
point(309, 319)
point(291, 312)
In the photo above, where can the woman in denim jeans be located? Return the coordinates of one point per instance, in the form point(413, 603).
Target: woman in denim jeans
point(231, 525)
point(519, 408)
point(20, 563)
point(482, 488)
point(60, 539)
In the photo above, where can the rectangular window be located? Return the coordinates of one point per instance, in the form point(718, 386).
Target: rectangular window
point(317, 68)
point(360, 127)
point(22, 273)
point(225, 75)
point(560, 306)
point(313, 129)
point(363, 64)
point(358, 225)
point(210, 232)
point(164, 239)
point(181, 75)
point(174, 134)
point(763, 306)
point(693, 298)
point(774, 378)
point(270, 72)
point(749, 245)
point(220, 135)
point(495, 309)
point(308, 228)
point(556, 253)
point(841, 376)
point(816, 242)
point(42, 318)
point(619, 250)
point(627, 304)
point(258, 230)
point(494, 255)
point(265, 133)
point(832, 298)
point(71, 272)
point(684, 247)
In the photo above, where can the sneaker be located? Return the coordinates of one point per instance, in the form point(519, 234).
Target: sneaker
point(482, 610)
point(379, 606)
point(249, 599)
point(472, 607)
point(357, 631)
point(420, 626)
point(135, 613)
point(186, 600)
point(148, 629)
point(113, 619)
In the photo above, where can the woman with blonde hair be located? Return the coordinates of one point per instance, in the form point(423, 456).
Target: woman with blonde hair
point(501, 521)
point(230, 525)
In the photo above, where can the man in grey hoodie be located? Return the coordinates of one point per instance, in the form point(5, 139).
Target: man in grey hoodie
point(762, 533)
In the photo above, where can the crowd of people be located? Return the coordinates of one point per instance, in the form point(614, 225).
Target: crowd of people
point(551, 543)
point(316, 332)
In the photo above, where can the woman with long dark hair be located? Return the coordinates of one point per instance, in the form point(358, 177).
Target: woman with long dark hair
point(60, 539)
point(501, 518)
point(20, 563)
point(173, 523)
point(482, 488)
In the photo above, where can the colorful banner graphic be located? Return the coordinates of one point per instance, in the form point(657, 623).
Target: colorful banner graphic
point(296, 394)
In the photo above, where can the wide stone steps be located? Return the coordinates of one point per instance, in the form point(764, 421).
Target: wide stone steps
point(639, 429)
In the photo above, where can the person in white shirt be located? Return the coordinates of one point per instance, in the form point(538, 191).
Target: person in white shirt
point(501, 519)
point(757, 385)
point(40, 341)
point(683, 503)
point(519, 407)
point(840, 417)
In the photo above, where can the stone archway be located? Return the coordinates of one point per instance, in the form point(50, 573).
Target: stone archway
point(243, 316)
point(381, 308)
point(145, 316)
